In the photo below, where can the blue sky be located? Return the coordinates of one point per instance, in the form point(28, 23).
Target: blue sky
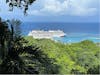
point(55, 11)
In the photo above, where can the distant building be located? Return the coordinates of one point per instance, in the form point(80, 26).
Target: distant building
point(40, 34)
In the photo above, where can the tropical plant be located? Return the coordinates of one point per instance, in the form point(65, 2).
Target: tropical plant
point(21, 58)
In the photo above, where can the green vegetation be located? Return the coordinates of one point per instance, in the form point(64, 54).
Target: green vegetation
point(17, 57)
point(75, 58)
point(25, 55)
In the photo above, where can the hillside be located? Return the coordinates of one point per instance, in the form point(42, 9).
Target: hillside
point(75, 58)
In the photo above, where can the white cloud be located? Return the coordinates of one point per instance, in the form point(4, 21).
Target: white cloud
point(35, 12)
point(55, 6)
point(66, 7)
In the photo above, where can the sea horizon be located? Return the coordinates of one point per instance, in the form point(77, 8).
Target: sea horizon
point(76, 32)
point(91, 28)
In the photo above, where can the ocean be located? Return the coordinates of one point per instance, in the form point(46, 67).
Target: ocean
point(76, 32)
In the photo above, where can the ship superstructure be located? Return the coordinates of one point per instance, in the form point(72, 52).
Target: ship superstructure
point(40, 34)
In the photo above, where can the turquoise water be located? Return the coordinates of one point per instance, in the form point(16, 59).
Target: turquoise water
point(75, 37)
point(76, 32)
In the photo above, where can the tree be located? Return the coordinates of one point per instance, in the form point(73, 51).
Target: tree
point(11, 45)
point(17, 57)
point(20, 4)
point(4, 38)
point(15, 27)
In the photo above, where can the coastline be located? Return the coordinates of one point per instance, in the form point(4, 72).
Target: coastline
point(72, 37)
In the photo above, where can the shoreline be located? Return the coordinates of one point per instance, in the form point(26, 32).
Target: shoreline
point(59, 41)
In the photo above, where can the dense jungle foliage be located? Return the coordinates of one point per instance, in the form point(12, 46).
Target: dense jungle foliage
point(25, 55)
point(75, 58)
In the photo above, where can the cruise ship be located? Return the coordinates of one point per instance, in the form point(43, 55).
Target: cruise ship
point(41, 34)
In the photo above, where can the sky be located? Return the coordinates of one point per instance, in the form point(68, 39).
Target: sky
point(55, 11)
